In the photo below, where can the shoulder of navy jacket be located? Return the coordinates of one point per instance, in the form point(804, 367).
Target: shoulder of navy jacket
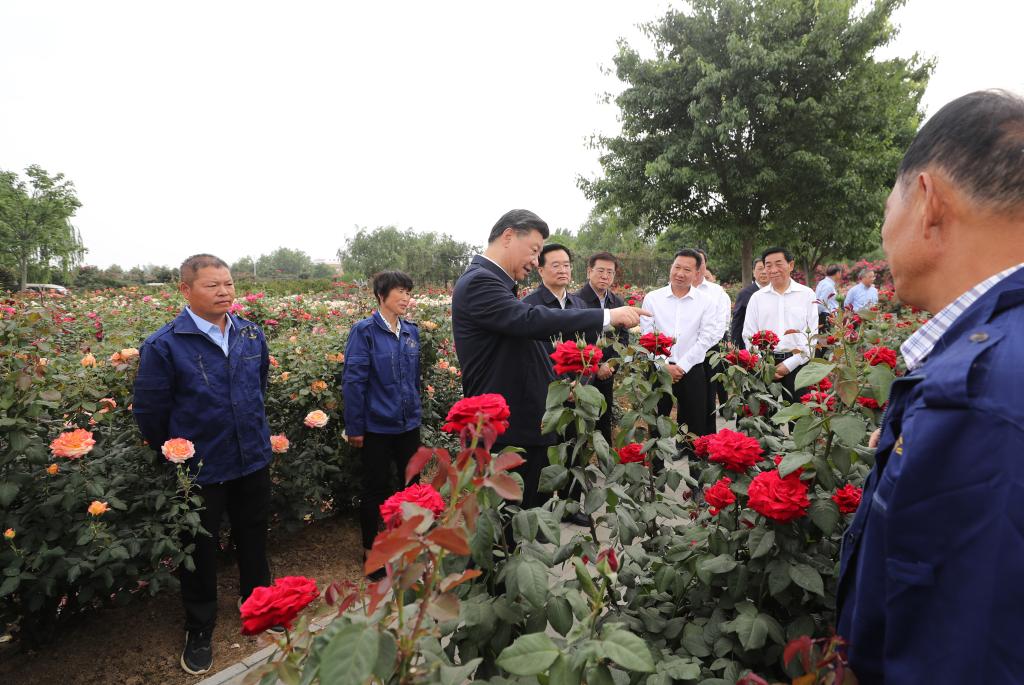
point(953, 369)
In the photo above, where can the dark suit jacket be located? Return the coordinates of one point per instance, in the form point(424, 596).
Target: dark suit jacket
point(590, 300)
point(494, 340)
point(739, 312)
point(543, 297)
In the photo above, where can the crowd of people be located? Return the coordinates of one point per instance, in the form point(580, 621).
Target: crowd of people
point(931, 563)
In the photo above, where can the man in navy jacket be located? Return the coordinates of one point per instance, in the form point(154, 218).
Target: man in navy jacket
point(930, 585)
point(494, 333)
point(203, 377)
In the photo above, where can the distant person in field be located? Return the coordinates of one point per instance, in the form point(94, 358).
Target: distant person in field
point(739, 310)
point(864, 294)
point(381, 393)
point(825, 294)
point(203, 377)
point(930, 575)
point(494, 335)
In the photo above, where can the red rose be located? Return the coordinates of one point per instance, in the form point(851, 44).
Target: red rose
point(824, 399)
point(780, 499)
point(848, 498)
point(719, 496)
point(570, 357)
point(630, 454)
point(277, 605)
point(764, 340)
point(881, 355)
point(466, 412)
point(743, 358)
point(421, 495)
point(656, 343)
point(700, 445)
point(631, 302)
point(735, 451)
point(869, 402)
point(609, 554)
point(824, 384)
point(832, 340)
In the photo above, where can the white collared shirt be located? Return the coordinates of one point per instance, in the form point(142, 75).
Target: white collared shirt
point(607, 315)
point(397, 330)
point(690, 319)
point(212, 330)
point(794, 310)
point(723, 305)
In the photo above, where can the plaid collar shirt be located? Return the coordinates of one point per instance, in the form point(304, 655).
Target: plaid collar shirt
point(918, 346)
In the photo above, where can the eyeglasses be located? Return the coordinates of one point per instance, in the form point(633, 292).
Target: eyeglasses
point(604, 272)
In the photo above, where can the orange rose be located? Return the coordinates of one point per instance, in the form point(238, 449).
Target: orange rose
point(88, 360)
point(178, 450)
point(9, 534)
point(73, 444)
point(285, 375)
point(52, 469)
point(129, 353)
point(279, 443)
point(318, 386)
point(273, 361)
point(98, 508)
point(315, 419)
point(428, 325)
point(107, 404)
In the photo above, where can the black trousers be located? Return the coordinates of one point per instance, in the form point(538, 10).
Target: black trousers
point(604, 424)
point(247, 503)
point(715, 393)
point(380, 452)
point(789, 381)
point(691, 397)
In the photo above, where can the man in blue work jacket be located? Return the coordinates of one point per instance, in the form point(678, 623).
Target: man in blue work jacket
point(930, 587)
point(203, 377)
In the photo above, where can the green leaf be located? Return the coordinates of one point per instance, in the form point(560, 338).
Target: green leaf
point(880, 377)
point(790, 413)
point(457, 675)
point(387, 652)
point(807, 431)
point(8, 491)
point(792, 461)
point(807, 578)
point(761, 544)
point(9, 585)
point(693, 641)
point(812, 373)
point(627, 650)
point(560, 615)
point(532, 580)
point(549, 525)
point(562, 673)
point(723, 563)
point(778, 577)
point(529, 655)
point(558, 393)
point(590, 397)
point(824, 514)
point(525, 524)
point(681, 669)
point(349, 658)
point(553, 477)
point(849, 428)
point(594, 500)
point(552, 417)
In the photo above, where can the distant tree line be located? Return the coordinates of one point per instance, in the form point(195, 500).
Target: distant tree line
point(427, 257)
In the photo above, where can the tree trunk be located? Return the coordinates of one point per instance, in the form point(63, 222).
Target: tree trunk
point(24, 271)
point(747, 256)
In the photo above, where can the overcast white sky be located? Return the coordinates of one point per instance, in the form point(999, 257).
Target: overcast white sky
point(239, 127)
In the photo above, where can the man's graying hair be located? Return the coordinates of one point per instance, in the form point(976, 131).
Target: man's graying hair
point(191, 266)
point(978, 140)
point(522, 221)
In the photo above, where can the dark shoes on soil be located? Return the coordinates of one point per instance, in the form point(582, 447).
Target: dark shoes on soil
point(577, 519)
point(197, 657)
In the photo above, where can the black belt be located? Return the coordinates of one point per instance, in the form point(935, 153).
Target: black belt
point(780, 356)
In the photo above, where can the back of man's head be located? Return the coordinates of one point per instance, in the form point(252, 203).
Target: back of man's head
point(522, 221)
point(977, 141)
point(832, 270)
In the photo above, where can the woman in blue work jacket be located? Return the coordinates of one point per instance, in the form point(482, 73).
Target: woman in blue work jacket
point(381, 392)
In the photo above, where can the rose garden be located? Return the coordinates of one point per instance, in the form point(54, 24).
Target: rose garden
point(705, 571)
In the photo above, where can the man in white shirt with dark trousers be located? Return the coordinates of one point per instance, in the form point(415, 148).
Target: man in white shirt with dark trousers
point(682, 312)
point(787, 309)
point(723, 307)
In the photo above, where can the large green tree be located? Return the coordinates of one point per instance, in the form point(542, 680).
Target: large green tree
point(427, 257)
point(35, 222)
point(760, 120)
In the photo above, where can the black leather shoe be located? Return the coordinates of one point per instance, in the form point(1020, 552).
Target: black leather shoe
point(578, 519)
point(197, 657)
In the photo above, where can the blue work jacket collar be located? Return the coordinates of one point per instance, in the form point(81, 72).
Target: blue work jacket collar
point(184, 325)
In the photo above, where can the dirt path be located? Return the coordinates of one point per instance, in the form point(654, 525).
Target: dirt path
point(140, 643)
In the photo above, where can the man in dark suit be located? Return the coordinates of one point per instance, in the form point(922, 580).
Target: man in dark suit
point(597, 294)
point(494, 333)
point(739, 310)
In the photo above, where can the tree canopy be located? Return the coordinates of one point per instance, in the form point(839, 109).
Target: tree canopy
point(762, 120)
point(427, 257)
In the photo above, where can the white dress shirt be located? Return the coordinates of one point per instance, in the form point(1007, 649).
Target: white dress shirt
point(794, 310)
point(212, 330)
point(690, 319)
point(723, 305)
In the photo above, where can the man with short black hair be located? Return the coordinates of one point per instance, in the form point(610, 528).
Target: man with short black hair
point(788, 309)
point(494, 333)
point(931, 566)
point(203, 377)
point(554, 266)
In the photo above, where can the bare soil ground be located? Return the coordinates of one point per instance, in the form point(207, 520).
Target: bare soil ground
point(140, 643)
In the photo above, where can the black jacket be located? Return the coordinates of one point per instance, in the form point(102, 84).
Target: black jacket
point(739, 313)
point(590, 300)
point(543, 297)
point(494, 340)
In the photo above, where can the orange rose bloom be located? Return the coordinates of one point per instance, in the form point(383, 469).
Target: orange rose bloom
point(178, 450)
point(88, 360)
point(279, 443)
point(315, 419)
point(52, 469)
point(98, 508)
point(318, 386)
point(73, 444)
point(107, 404)
point(9, 534)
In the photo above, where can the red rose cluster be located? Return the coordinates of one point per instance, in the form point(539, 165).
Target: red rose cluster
point(571, 357)
point(277, 605)
point(780, 499)
point(700, 445)
point(847, 498)
point(719, 496)
point(868, 402)
point(492, 407)
point(762, 411)
point(743, 358)
point(822, 398)
point(630, 454)
point(735, 451)
point(764, 340)
point(421, 495)
point(656, 343)
point(881, 355)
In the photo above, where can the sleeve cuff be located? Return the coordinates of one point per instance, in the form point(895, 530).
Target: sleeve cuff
point(793, 362)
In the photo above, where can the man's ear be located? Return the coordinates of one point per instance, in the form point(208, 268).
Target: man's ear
point(933, 204)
